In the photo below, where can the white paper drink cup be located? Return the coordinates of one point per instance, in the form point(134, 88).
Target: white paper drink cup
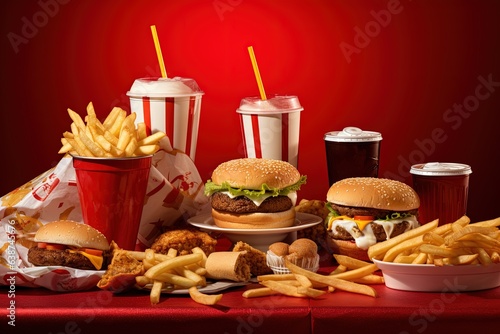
point(271, 127)
point(171, 105)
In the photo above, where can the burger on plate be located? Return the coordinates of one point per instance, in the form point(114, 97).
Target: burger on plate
point(254, 193)
point(70, 244)
point(364, 211)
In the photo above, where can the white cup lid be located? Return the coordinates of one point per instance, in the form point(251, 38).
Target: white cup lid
point(275, 104)
point(164, 87)
point(353, 134)
point(440, 169)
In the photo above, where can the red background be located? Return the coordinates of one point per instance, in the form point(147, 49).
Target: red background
point(410, 67)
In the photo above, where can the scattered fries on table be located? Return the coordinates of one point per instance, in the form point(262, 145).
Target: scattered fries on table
point(457, 243)
point(353, 276)
point(174, 271)
point(116, 137)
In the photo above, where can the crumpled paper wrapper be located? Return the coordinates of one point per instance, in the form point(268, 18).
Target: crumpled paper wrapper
point(174, 194)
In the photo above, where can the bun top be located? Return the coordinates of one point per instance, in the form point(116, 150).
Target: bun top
point(251, 173)
point(376, 193)
point(71, 233)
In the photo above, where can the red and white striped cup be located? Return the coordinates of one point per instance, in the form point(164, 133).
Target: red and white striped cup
point(171, 105)
point(271, 127)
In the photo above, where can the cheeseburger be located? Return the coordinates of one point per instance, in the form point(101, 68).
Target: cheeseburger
point(364, 211)
point(254, 193)
point(70, 244)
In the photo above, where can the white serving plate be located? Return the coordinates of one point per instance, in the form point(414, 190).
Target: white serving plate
point(211, 287)
point(259, 238)
point(431, 278)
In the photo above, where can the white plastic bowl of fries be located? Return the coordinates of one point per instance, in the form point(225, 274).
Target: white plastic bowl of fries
point(459, 256)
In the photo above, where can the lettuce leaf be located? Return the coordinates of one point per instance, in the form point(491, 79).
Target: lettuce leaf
point(211, 188)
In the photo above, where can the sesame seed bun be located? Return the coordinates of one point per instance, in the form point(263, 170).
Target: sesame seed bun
point(71, 233)
point(377, 193)
point(251, 173)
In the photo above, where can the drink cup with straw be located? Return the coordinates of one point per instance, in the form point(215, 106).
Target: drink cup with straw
point(171, 105)
point(270, 127)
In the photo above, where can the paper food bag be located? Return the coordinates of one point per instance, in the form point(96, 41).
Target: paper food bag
point(174, 193)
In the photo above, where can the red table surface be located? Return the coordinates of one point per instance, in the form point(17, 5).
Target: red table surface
point(393, 311)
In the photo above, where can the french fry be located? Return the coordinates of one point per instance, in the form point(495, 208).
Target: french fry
point(141, 131)
point(111, 118)
point(178, 261)
point(349, 262)
point(283, 288)
point(303, 280)
point(117, 124)
point(483, 256)
point(276, 277)
point(259, 292)
point(356, 273)
point(203, 298)
point(124, 139)
point(117, 136)
point(154, 296)
point(76, 119)
point(146, 149)
point(152, 139)
point(335, 282)
point(468, 230)
point(340, 269)
point(378, 250)
point(442, 251)
point(460, 259)
point(457, 243)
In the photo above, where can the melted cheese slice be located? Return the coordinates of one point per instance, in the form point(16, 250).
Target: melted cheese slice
point(95, 260)
point(292, 195)
point(361, 223)
point(367, 238)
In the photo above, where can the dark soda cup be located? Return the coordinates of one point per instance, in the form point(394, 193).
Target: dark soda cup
point(443, 189)
point(352, 152)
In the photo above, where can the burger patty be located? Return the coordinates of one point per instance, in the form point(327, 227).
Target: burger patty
point(378, 230)
point(242, 204)
point(342, 234)
point(356, 211)
point(44, 257)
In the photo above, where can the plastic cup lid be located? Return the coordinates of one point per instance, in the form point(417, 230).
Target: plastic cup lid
point(275, 104)
point(440, 169)
point(164, 87)
point(353, 134)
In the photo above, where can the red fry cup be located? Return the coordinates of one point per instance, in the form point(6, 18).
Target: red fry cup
point(443, 189)
point(111, 193)
point(170, 105)
point(271, 127)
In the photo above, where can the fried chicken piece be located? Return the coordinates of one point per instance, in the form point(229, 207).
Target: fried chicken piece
point(121, 273)
point(184, 240)
point(256, 259)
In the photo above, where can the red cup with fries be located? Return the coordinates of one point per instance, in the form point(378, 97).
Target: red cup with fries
point(112, 192)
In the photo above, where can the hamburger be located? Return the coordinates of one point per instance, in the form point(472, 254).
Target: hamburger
point(365, 210)
point(70, 244)
point(254, 193)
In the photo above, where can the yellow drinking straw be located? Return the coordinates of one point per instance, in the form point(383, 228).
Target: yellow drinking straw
point(257, 74)
point(158, 51)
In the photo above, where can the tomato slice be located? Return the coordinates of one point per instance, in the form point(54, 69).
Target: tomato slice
point(42, 245)
point(364, 218)
point(93, 251)
point(55, 246)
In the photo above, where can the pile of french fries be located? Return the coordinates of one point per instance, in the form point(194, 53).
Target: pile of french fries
point(351, 275)
point(118, 136)
point(172, 271)
point(457, 243)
